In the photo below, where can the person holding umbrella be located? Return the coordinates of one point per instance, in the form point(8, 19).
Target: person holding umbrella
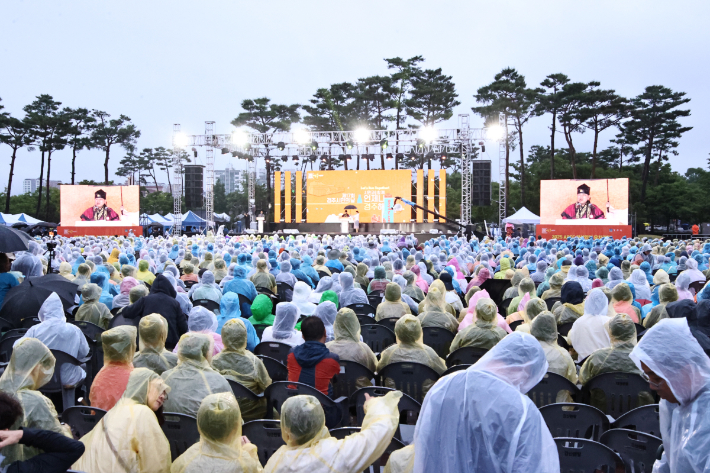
point(7, 280)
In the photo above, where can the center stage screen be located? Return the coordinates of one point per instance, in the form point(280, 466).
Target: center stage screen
point(99, 206)
point(372, 193)
point(584, 202)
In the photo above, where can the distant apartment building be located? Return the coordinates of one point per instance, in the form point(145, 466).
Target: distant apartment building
point(31, 185)
point(235, 179)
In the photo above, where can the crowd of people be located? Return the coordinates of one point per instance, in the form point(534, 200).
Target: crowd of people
point(194, 308)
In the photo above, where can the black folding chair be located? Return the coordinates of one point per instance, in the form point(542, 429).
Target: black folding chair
point(377, 337)
point(260, 329)
point(465, 356)
point(277, 370)
point(514, 325)
point(506, 303)
point(545, 392)
point(575, 420)
point(207, 304)
point(565, 328)
point(276, 350)
point(408, 407)
point(114, 311)
point(562, 342)
point(408, 377)
point(388, 322)
point(375, 298)
point(28, 322)
point(245, 305)
point(56, 384)
point(621, 391)
point(181, 432)
point(266, 435)
point(379, 464)
point(82, 419)
point(345, 383)
point(454, 369)
point(119, 320)
point(644, 419)
point(265, 291)
point(242, 392)
point(582, 455)
point(439, 339)
point(637, 449)
point(363, 309)
point(92, 331)
point(496, 289)
point(284, 291)
point(696, 286)
point(550, 301)
point(15, 332)
point(365, 319)
point(322, 274)
point(6, 325)
point(277, 393)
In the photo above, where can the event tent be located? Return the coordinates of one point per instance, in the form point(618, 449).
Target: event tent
point(523, 216)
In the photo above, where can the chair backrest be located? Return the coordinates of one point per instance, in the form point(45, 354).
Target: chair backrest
point(550, 301)
point(276, 350)
point(388, 322)
point(322, 274)
point(285, 291)
point(620, 389)
point(55, 384)
point(92, 331)
point(575, 420)
point(584, 456)
point(363, 309)
point(496, 289)
point(242, 392)
point(6, 347)
point(189, 284)
point(265, 291)
point(514, 325)
point(266, 435)
point(408, 377)
point(454, 369)
point(244, 305)
point(407, 404)
point(260, 329)
point(545, 392)
point(346, 382)
point(642, 419)
point(379, 464)
point(377, 337)
point(365, 319)
point(278, 392)
point(14, 332)
point(207, 304)
point(181, 432)
point(28, 322)
point(672, 277)
point(6, 325)
point(696, 286)
point(114, 311)
point(506, 303)
point(564, 328)
point(375, 298)
point(277, 370)
point(82, 419)
point(439, 339)
point(640, 330)
point(637, 449)
point(562, 342)
point(121, 320)
point(465, 356)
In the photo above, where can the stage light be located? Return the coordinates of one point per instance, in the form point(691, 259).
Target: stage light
point(384, 143)
point(181, 140)
point(400, 156)
point(284, 158)
point(349, 157)
point(420, 143)
point(225, 150)
point(389, 156)
point(349, 144)
point(443, 156)
point(235, 153)
point(314, 145)
point(428, 134)
point(361, 135)
point(495, 133)
point(281, 146)
point(194, 151)
point(240, 138)
point(301, 136)
point(295, 157)
point(267, 160)
point(482, 144)
point(430, 155)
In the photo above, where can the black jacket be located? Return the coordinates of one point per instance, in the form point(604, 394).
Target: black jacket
point(161, 300)
point(60, 452)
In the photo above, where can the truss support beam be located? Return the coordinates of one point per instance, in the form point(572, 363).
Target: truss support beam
point(177, 181)
point(465, 140)
point(502, 170)
point(209, 192)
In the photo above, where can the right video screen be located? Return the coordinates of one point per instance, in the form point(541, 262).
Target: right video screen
point(584, 202)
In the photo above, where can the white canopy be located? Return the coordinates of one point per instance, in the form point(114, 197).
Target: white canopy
point(523, 216)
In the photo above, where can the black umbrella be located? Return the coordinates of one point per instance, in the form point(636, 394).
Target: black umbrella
point(25, 300)
point(13, 240)
point(348, 207)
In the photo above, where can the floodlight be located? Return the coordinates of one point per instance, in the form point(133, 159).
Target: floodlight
point(235, 153)
point(443, 155)
point(267, 160)
point(389, 156)
point(180, 140)
point(361, 135)
point(281, 145)
point(301, 136)
point(428, 134)
point(349, 144)
point(284, 158)
point(384, 143)
point(225, 150)
point(295, 157)
point(240, 138)
point(314, 145)
point(420, 143)
point(400, 156)
point(495, 133)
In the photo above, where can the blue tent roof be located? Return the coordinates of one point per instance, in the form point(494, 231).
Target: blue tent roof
point(190, 218)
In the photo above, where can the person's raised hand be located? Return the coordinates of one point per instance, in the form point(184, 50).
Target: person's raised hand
point(245, 440)
point(10, 437)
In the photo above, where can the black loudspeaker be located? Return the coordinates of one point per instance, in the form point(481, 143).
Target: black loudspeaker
point(194, 186)
point(481, 183)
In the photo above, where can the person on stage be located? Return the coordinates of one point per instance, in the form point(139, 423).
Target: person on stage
point(356, 221)
point(584, 208)
point(100, 211)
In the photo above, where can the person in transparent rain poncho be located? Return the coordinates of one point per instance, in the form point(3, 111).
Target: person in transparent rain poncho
point(435, 313)
point(589, 332)
point(284, 328)
point(348, 345)
point(119, 346)
point(235, 362)
point(484, 333)
point(92, 310)
point(481, 420)
point(221, 447)
point(31, 367)
point(392, 307)
point(153, 331)
point(532, 309)
point(327, 311)
point(193, 378)
point(129, 438)
point(544, 329)
point(667, 293)
point(309, 446)
point(350, 294)
point(679, 371)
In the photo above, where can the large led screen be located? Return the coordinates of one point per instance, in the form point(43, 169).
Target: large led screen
point(104, 206)
point(584, 202)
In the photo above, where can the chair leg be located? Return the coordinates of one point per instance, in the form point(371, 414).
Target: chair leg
point(68, 399)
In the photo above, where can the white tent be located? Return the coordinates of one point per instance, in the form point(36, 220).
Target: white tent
point(26, 218)
point(523, 216)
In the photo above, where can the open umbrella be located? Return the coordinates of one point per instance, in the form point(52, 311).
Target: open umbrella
point(25, 300)
point(13, 240)
point(349, 207)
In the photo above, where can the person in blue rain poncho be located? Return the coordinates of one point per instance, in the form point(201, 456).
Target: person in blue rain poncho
point(101, 280)
point(241, 285)
point(229, 309)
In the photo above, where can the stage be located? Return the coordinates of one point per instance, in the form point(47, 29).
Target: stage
point(114, 230)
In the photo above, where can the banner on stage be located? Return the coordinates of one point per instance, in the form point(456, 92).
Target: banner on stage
point(584, 202)
point(562, 232)
point(371, 193)
point(99, 206)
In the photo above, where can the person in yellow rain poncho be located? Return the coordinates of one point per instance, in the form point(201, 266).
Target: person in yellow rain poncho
point(347, 344)
point(401, 461)
point(310, 448)
point(514, 290)
point(115, 253)
point(144, 273)
point(556, 282)
point(505, 265)
point(31, 367)
point(484, 333)
point(242, 366)
point(128, 439)
point(544, 328)
point(119, 346)
point(92, 310)
point(392, 307)
point(153, 331)
point(193, 378)
point(526, 286)
point(667, 293)
point(221, 447)
point(410, 348)
point(435, 313)
point(533, 308)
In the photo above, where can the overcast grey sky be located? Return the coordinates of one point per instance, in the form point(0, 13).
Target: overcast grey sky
point(185, 62)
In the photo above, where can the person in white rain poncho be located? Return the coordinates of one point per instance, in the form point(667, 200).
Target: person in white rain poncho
point(679, 371)
point(301, 293)
point(589, 332)
point(326, 311)
point(638, 279)
point(284, 328)
point(481, 420)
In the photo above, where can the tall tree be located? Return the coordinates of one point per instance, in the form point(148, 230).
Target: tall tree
point(654, 119)
point(130, 165)
point(79, 121)
point(146, 162)
point(550, 102)
point(16, 134)
point(571, 120)
point(107, 131)
point(266, 117)
point(373, 98)
point(404, 70)
point(601, 109)
point(509, 94)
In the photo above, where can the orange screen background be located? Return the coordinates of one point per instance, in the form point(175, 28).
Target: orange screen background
point(556, 195)
point(328, 192)
point(74, 200)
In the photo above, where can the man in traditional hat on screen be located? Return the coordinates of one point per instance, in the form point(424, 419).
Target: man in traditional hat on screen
point(100, 211)
point(584, 208)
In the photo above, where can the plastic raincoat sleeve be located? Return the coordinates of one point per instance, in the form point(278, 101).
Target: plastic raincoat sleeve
point(401, 461)
point(322, 453)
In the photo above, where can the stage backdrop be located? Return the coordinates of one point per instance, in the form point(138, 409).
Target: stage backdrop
point(370, 192)
point(77, 206)
point(559, 196)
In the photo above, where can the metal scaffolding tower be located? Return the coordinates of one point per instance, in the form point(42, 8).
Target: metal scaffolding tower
point(465, 140)
point(177, 180)
point(209, 193)
point(502, 123)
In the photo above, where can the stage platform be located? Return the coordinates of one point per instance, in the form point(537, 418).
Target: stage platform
point(368, 228)
point(113, 230)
